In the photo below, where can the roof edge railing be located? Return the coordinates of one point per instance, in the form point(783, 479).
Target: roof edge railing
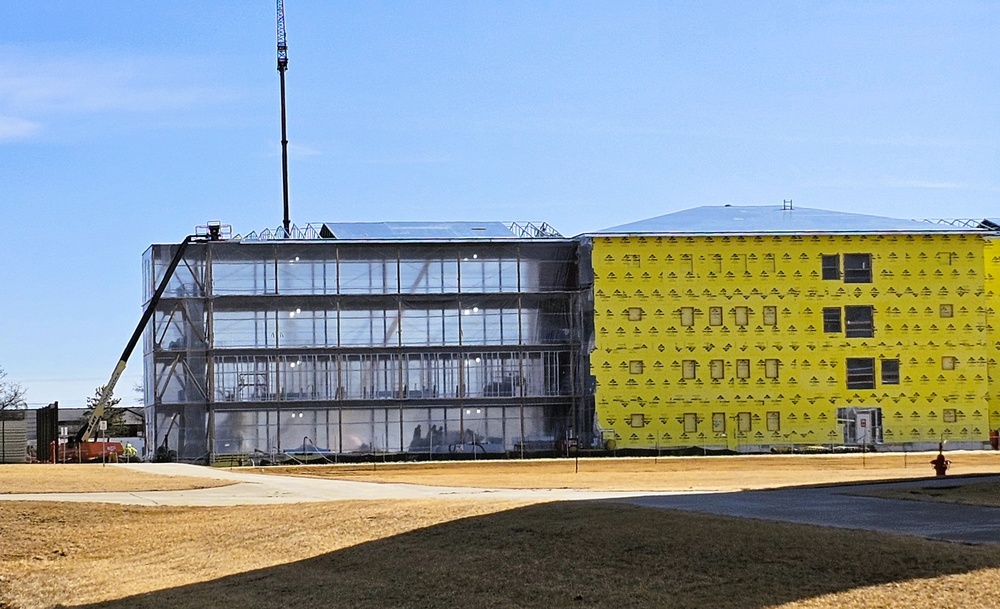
point(319, 230)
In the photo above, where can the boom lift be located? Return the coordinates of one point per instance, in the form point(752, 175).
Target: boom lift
point(81, 447)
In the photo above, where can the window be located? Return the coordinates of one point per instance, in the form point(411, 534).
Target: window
point(745, 421)
point(718, 422)
point(770, 316)
point(635, 366)
point(689, 368)
point(831, 319)
point(743, 368)
point(857, 268)
point(690, 422)
point(687, 316)
point(771, 368)
point(634, 314)
point(637, 420)
point(950, 415)
point(715, 316)
point(831, 267)
point(858, 322)
point(742, 316)
point(860, 373)
point(890, 372)
point(773, 420)
point(947, 310)
point(718, 368)
point(948, 362)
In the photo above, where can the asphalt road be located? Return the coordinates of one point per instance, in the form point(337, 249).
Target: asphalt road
point(835, 506)
point(832, 506)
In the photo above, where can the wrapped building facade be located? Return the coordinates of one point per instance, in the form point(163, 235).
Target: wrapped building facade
point(367, 339)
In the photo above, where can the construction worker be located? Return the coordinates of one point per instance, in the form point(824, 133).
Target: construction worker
point(130, 452)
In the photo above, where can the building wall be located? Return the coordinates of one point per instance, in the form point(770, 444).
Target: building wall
point(991, 260)
point(365, 347)
point(676, 365)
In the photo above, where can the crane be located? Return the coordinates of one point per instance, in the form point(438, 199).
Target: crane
point(80, 448)
point(282, 66)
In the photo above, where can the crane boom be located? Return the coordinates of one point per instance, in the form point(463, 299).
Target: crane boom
point(282, 43)
point(87, 430)
point(282, 66)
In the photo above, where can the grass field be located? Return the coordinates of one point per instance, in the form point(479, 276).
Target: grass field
point(649, 474)
point(91, 478)
point(986, 493)
point(427, 554)
point(442, 553)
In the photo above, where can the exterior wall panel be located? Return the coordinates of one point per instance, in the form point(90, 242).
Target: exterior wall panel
point(659, 300)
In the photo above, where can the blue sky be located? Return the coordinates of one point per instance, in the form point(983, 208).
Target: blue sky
point(126, 123)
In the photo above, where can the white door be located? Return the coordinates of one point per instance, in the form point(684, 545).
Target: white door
point(863, 431)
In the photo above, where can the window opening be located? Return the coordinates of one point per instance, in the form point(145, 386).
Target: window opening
point(635, 366)
point(715, 316)
point(718, 369)
point(689, 368)
point(770, 316)
point(718, 422)
point(947, 310)
point(744, 421)
point(773, 420)
point(831, 266)
point(743, 368)
point(690, 422)
point(742, 316)
point(831, 319)
point(859, 322)
point(771, 368)
point(948, 362)
point(634, 314)
point(890, 372)
point(857, 268)
point(637, 420)
point(687, 316)
point(860, 373)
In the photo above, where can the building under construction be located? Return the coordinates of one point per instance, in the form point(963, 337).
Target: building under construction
point(369, 338)
point(743, 329)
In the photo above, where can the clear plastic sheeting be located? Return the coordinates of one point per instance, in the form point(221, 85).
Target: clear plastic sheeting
point(395, 376)
point(367, 347)
point(333, 432)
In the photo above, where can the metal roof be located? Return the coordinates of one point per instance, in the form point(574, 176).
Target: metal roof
point(765, 219)
point(416, 231)
point(407, 231)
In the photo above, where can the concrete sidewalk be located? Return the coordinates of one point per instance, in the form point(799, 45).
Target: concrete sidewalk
point(258, 489)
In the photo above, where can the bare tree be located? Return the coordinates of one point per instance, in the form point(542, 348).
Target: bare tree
point(11, 394)
point(112, 414)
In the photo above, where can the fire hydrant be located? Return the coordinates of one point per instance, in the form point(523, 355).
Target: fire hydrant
point(940, 463)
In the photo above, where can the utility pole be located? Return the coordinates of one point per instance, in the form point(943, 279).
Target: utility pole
point(282, 66)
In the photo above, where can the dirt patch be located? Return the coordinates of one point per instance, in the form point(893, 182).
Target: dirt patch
point(427, 554)
point(91, 478)
point(649, 474)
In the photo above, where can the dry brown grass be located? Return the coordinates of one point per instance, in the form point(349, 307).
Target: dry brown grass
point(985, 493)
point(52, 554)
point(91, 478)
point(663, 474)
point(427, 554)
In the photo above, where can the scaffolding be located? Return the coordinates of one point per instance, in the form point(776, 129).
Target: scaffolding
point(277, 348)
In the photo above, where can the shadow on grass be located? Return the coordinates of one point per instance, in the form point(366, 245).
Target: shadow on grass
point(585, 554)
